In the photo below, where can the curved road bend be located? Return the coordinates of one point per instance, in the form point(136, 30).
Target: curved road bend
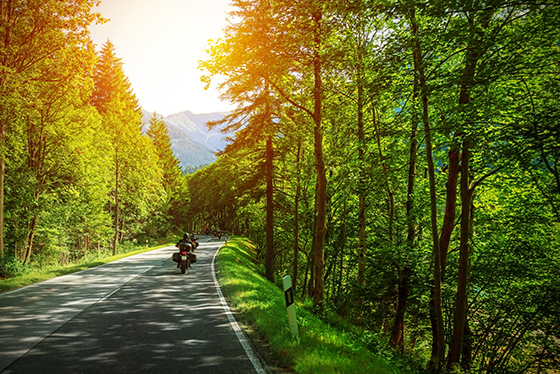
point(139, 315)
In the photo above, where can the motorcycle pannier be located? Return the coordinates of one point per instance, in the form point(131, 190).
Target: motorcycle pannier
point(192, 257)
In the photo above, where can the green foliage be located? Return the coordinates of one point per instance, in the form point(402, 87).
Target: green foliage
point(79, 175)
point(320, 346)
point(136, 176)
point(45, 82)
point(483, 80)
point(12, 267)
point(222, 190)
point(361, 86)
point(170, 215)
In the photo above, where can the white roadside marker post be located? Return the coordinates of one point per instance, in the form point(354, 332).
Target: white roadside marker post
point(290, 306)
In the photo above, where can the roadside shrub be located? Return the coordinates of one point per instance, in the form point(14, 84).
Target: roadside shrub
point(11, 267)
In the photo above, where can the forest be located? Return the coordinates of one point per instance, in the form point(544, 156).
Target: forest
point(398, 158)
point(79, 176)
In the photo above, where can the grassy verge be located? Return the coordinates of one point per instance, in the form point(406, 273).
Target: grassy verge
point(40, 275)
point(320, 348)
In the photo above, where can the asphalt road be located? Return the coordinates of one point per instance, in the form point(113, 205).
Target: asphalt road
point(136, 315)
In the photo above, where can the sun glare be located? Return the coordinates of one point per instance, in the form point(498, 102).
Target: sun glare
point(160, 44)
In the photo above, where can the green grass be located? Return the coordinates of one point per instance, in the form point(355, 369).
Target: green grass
point(320, 348)
point(49, 272)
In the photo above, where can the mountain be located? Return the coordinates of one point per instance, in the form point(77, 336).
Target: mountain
point(191, 141)
point(194, 125)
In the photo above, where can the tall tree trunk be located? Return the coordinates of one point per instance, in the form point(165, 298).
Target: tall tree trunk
point(6, 15)
point(361, 187)
point(35, 164)
point(397, 335)
point(390, 193)
point(321, 189)
point(296, 219)
point(116, 223)
point(411, 225)
point(340, 249)
point(2, 174)
point(269, 254)
point(2, 179)
point(450, 205)
point(466, 357)
point(397, 331)
point(311, 280)
point(341, 267)
point(36, 144)
point(459, 321)
point(471, 60)
point(30, 239)
point(438, 350)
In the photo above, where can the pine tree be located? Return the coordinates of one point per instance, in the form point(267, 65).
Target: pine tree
point(111, 84)
point(173, 182)
point(121, 113)
point(169, 164)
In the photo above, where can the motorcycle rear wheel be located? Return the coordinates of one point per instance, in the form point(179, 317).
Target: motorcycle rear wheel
point(183, 267)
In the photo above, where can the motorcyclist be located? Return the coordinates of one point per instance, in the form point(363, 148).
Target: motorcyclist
point(184, 243)
point(194, 241)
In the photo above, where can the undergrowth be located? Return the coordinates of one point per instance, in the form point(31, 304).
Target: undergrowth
point(323, 346)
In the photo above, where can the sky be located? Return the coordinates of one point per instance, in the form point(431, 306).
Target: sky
point(160, 43)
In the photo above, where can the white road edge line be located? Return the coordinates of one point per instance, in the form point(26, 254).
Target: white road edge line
point(109, 295)
point(240, 335)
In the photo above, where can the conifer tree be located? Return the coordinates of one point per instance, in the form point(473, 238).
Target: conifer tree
point(247, 86)
point(111, 84)
point(169, 164)
point(121, 115)
point(173, 183)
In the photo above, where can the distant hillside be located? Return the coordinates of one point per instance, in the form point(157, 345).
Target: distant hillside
point(191, 141)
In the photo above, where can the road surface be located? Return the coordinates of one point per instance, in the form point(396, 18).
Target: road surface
point(136, 315)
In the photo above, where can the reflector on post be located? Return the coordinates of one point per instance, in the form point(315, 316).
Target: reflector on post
point(290, 306)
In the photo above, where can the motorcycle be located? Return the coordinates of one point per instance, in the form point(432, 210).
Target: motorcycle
point(183, 257)
point(217, 233)
point(185, 261)
point(194, 242)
